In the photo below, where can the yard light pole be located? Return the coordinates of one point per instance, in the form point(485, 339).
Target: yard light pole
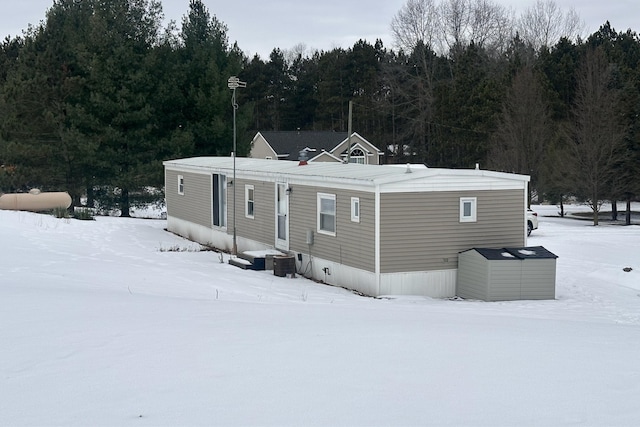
point(233, 83)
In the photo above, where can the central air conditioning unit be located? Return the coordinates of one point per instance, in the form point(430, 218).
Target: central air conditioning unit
point(284, 266)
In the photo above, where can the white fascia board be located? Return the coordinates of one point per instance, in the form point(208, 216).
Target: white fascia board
point(188, 168)
point(373, 147)
point(325, 153)
point(359, 140)
point(437, 185)
point(266, 142)
point(294, 179)
point(362, 147)
point(416, 176)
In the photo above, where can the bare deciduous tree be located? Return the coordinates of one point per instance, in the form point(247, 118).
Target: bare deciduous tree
point(483, 22)
point(417, 21)
point(524, 130)
point(597, 135)
point(450, 23)
point(544, 23)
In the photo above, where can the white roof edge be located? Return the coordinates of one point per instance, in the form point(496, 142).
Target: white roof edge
point(331, 172)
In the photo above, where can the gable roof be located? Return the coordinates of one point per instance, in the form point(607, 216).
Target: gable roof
point(290, 143)
point(325, 155)
point(357, 141)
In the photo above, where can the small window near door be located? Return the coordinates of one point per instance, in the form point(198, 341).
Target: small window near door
point(327, 214)
point(180, 184)
point(249, 201)
point(355, 209)
point(468, 209)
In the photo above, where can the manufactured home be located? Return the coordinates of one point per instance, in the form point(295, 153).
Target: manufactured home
point(379, 230)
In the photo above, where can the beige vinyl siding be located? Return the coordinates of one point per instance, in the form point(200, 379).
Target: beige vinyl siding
point(195, 204)
point(261, 150)
point(353, 244)
point(422, 231)
point(504, 281)
point(473, 276)
point(539, 279)
point(261, 227)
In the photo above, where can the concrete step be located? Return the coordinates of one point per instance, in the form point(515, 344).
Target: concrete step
point(241, 263)
point(257, 261)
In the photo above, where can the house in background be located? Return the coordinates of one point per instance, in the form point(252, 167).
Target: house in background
point(379, 230)
point(318, 146)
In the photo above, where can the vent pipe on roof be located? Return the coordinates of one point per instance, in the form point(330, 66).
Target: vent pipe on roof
point(477, 166)
point(302, 157)
point(408, 168)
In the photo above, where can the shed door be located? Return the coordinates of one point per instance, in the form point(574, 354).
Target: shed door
point(282, 216)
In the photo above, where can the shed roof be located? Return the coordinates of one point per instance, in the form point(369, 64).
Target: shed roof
point(331, 171)
point(530, 252)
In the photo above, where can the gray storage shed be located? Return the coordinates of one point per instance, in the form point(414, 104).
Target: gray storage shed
point(506, 274)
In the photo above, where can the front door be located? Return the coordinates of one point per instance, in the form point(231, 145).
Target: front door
point(282, 216)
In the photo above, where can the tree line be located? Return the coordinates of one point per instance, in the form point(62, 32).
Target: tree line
point(97, 96)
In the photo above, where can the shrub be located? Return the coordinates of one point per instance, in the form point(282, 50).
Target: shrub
point(84, 214)
point(60, 212)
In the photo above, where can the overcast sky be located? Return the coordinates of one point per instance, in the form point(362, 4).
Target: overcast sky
point(260, 25)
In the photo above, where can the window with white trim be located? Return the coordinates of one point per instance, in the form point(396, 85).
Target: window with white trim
point(357, 156)
point(355, 209)
point(180, 184)
point(468, 209)
point(327, 214)
point(249, 203)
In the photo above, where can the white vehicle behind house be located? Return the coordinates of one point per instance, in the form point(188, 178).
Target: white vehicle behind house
point(532, 221)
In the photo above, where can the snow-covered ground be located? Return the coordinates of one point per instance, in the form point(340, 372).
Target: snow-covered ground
point(116, 322)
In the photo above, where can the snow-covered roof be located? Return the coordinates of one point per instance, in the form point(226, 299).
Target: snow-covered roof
point(332, 171)
point(532, 252)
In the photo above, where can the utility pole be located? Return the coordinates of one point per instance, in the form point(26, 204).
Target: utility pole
point(233, 83)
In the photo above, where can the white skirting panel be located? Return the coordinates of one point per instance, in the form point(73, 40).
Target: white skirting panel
point(218, 239)
point(434, 284)
point(199, 233)
point(336, 274)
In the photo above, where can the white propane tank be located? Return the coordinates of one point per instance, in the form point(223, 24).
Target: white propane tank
point(35, 201)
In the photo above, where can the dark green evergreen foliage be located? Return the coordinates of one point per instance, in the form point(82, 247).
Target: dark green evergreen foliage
point(38, 97)
point(560, 65)
point(205, 63)
point(119, 115)
point(94, 99)
point(409, 82)
point(622, 51)
point(332, 91)
point(304, 101)
point(468, 105)
point(97, 96)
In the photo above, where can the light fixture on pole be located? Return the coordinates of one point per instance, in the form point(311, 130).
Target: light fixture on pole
point(233, 83)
